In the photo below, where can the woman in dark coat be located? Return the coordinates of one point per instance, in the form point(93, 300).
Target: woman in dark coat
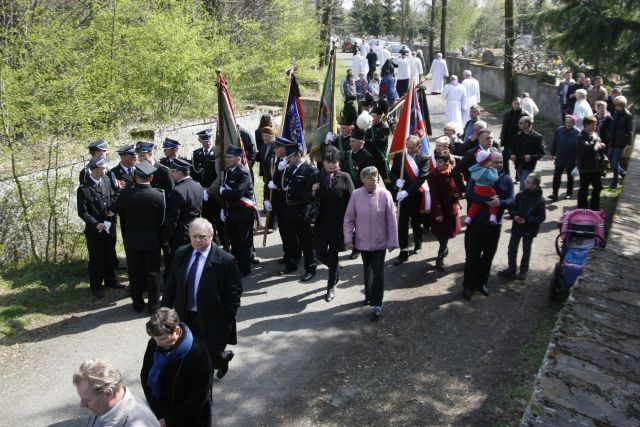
point(621, 135)
point(265, 121)
point(445, 220)
point(176, 373)
point(333, 193)
point(563, 150)
point(589, 155)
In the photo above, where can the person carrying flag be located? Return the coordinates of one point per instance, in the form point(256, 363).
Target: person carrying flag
point(412, 196)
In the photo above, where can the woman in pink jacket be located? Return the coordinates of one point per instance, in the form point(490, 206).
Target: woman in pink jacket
point(370, 226)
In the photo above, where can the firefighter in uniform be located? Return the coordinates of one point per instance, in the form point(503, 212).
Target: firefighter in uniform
point(295, 182)
point(170, 148)
point(236, 189)
point(377, 144)
point(144, 208)
point(97, 150)
point(123, 173)
point(94, 197)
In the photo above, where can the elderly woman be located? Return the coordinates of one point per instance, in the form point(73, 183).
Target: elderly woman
point(455, 143)
point(333, 193)
point(176, 372)
point(265, 121)
point(563, 150)
point(472, 140)
point(370, 226)
point(445, 220)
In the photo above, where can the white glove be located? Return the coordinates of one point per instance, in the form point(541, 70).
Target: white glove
point(329, 138)
point(267, 206)
point(401, 195)
point(399, 183)
point(223, 217)
point(107, 226)
point(222, 189)
point(272, 185)
point(283, 165)
point(205, 194)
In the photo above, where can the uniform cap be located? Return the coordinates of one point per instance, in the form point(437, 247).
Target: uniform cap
point(97, 163)
point(283, 141)
point(98, 144)
point(144, 147)
point(170, 143)
point(145, 169)
point(205, 135)
point(233, 150)
point(292, 149)
point(180, 165)
point(127, 150)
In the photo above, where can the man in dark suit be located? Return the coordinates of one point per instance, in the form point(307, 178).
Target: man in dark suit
point(123, 174)
point(205, 171)
point(97, 150)
point(161, 177)
point(144, 208)
point(184, 205)
point(204, 287)
point(268, 161)
point(95, 197)
point(295, 182)
point(239, 212)
point(410, 195)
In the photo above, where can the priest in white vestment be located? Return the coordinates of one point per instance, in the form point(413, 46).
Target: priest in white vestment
point(439, 72)
point(360, 64)
point(472, 87)
point(456, 97)
point(417, 68)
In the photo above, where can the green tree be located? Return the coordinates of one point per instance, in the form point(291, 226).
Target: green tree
point(605, 33)
point(376, 18)
point(389, 12)
point(403, 20)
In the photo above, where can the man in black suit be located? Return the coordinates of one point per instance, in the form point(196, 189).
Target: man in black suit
point(95, 197)
point(170, 148)
point(268, 161)
point(295, 182)
point(97, 150)
point(184, 205)
point(161, 176)
point(239, 212)
point(144, 208)
point(204, 287)
point(410, 195)
point(123, 173)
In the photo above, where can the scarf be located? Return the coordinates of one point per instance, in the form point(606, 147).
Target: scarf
point(162, 358)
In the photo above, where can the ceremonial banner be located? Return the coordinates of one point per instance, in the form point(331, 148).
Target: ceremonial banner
point(228, 133)
point(403, 126)
point(292, 128)
point(327, 114)
point(417, 126)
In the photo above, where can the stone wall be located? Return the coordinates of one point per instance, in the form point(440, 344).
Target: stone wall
point(590, 375)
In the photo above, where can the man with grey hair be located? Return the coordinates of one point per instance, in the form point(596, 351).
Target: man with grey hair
point(472, 88)
point(101, 390)
point(204, 287)
point(481, 236)
point(581, 109)
point(485, 142)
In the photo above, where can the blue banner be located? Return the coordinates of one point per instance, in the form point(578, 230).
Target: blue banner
point(292, 129)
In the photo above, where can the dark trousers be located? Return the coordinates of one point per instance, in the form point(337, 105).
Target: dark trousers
point(557, 178)
point(587, 179)
point(144, 274)
point(327, 250)
point(615, 155)
point(444, 242)
point(480, 245)
point(514, 242)
point(373, 266)
point(297, 237)
point(506, 158)
point(211, 211)
point(241, 238)
point(214, 347)
point(402, 86)
point(102, 249)
point(410, 210)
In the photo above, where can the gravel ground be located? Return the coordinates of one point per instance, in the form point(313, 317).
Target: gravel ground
point(433, 358)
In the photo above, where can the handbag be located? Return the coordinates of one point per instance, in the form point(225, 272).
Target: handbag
point(310, 212)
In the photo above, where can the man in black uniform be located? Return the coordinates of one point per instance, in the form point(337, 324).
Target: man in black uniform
point(410, 195)
point(268, 162)
point(170, 148)
point(357, 158)
point(161, 176)
point(276, 160)
point(144, 209)
point(97, 150)
point(295, 182)
point(205, 171)
point(240, 212)
point(123, 173)
point(377, 144)
point(184, 205)
point(95, 197)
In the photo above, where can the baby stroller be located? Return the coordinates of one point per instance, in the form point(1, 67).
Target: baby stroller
point(580, 231)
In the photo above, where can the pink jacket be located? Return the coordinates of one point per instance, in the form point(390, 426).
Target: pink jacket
point(373, 217)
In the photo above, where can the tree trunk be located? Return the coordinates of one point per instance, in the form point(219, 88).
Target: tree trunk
point(509, 39)
point(443, 30)
point(432, 31)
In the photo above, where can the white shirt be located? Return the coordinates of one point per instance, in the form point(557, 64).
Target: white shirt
point(404, 67)
point(201, 260)
point(417, 69)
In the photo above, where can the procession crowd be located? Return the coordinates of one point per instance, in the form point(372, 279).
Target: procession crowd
point(197, 217)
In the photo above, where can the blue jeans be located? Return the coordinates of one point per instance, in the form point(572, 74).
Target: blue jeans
point(615, 154)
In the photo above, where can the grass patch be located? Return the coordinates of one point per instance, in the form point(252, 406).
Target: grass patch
point(494, 105)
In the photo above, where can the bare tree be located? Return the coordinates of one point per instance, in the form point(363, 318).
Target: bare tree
point(509, 40)
point(443, 30)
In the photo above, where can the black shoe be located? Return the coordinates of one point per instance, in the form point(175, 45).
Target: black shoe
point(138, 306)
point(116, 285)
point(402, 258)
point(226, 358)
point(440, 264)
point(366, 302)
point(331, 294)
point(354, 254)
point(467, 293)
point(152, 309)
point(98, 293)
point(521, 276)
point(417, 248)
point(288, 269)
point(553, 197)
point(507, 274)
point(255, 260)
point(307, 276)
point(282, 260)
point(484, 290)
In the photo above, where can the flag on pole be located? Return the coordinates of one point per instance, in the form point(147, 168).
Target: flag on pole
point(327, 114)
point(403, 124)
point(293, 126)
point(417, 126)
point(228, 133)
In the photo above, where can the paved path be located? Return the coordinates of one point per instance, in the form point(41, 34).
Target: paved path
point(432, 359)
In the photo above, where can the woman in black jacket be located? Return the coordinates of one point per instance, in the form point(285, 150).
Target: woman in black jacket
point(333, 193)
point(527, 213)
point(621, 135)
point(176, 373)
point(589, 150)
